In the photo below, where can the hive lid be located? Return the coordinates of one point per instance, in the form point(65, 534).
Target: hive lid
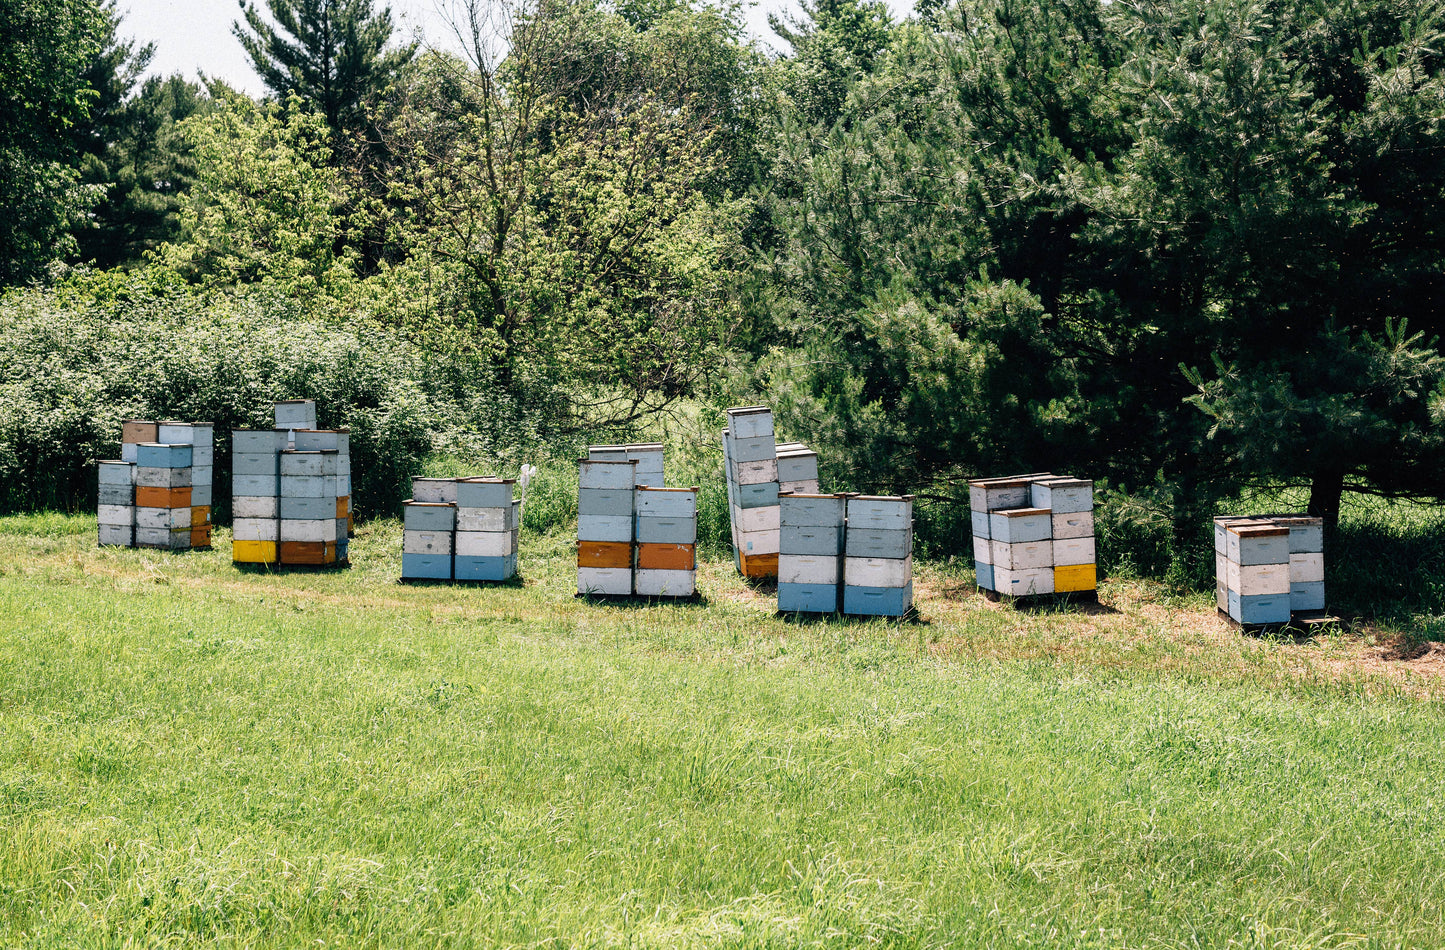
point(1021, 512)
point(1063, 481)
point(1258, 530)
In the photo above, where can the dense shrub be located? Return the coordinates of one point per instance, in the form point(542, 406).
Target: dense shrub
point(72, 368)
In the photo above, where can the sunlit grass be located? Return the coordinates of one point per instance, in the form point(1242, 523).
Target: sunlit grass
point(196, 754)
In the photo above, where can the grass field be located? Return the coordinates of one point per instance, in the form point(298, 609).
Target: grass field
point(195, 754)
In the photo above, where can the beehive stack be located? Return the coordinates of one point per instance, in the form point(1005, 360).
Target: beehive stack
point(159, 494)
point(338, 441)
point(291, 491)
point(1033, 534)
point(256, 495)
point(810, 556)
point(116, 504)
point(649, 458)
point(878, 555)
point(1306, 562)
point(1269, 567)
point(797, 469)
point(666, 533)
point(308, 507)
point(429, 522)
point(750, 459)
point(488, 525)
point(605, 530)
point(647, 455)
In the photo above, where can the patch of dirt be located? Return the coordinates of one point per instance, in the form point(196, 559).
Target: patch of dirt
point(1431, 653)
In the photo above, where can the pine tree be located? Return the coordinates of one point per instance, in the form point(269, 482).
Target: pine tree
point(332, 54)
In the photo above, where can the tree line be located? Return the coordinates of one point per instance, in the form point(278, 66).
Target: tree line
point(1180, 245)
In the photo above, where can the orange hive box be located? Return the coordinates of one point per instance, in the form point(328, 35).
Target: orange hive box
point(759, 565)
point(670, 557)
point(615, 554)
point(308, 552)
point(146, 497)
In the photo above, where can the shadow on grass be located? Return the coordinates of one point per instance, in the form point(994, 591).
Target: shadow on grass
point(802, 618)
point(250, 567)
point(1089, 606)
point(766, 586)
point(1386, 566)
point(640, 601)
point(515, 582)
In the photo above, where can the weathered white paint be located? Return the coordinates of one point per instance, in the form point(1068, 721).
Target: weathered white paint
point(877, 571)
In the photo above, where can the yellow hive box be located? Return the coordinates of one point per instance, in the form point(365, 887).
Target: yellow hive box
point(200, 515)
point(253, 552)
point(759, 565)
point(1074, 577)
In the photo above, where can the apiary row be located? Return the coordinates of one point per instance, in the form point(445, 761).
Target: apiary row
point(845, 552)
point(291, 491)
point(460, 529)
point(634, 536)
point(1269, 567)
point(158, 494)
point(1033, 534)
point(758, 470)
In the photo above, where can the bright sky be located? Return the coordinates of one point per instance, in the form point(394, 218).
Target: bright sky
point(194, 36)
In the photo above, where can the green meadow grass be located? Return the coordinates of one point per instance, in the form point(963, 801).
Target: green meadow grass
point(195, 754)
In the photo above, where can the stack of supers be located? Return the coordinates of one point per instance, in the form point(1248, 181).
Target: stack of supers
point(201, 437)
point(429, 522)
point(878, 556)
point(255, 490)
point(1251, 562)
point(605, 508)
point(1033, 534)
point(116, 502)
point(810, 557)
point(163, 495)
point(115, 509)
point(750, 458)
point(648, 456)
point(1306, 561)
point(797, 469)
point(338, 441)
point(172, 483)
point(1269, 567)
point(255, 495)
point(488, 523)
point(308, 507)
point(290, 491)
point(666, 541)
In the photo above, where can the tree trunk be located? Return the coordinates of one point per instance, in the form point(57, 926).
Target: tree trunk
point(1326, 489)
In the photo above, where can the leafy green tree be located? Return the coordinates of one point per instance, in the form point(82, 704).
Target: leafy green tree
point(1173, 184)
point(266, 206)
point(128, 151)
point(146, 172)
point(832, 42)
point(1254, 214)
point(331, 54)
point(45, 46)
point(559, 219)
